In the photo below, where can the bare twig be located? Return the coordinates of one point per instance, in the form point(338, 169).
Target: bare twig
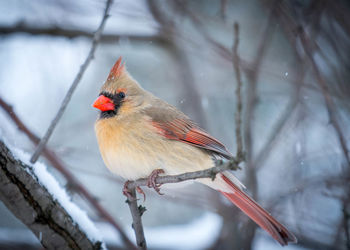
point(207, 173)
point(136, 213)
point(238, 115)
point(59, 165)
point(77, 79)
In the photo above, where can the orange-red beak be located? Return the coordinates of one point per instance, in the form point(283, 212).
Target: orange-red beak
point(103, 103)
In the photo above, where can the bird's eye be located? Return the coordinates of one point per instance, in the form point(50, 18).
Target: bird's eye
point(121, 95)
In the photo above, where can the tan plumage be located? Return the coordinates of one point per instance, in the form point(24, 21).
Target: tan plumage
point(143, 133)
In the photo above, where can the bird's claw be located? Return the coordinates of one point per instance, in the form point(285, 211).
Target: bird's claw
point(126, 191)
point(151, 181)
point(128, 194)
point(140, 191)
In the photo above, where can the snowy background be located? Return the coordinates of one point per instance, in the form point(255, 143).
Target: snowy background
point(302, 180)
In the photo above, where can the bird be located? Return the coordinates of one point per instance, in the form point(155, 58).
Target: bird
point(141, 136)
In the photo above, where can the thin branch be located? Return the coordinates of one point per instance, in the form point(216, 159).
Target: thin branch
point(57, 31)
point(207, 173)
point(35, 206)
point(59, 165)
point(238, 115)
point(77, 79)
point(136, 213)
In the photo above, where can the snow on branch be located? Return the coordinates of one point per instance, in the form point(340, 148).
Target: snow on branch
point(34, 196)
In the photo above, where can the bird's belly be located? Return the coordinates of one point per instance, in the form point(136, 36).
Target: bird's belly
point(173, 157)
point(130, 166)
point(133, 152)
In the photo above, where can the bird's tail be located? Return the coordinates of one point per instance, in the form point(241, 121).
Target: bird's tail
point(256, 212)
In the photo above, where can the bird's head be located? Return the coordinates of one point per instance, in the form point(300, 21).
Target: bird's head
point(120, 94)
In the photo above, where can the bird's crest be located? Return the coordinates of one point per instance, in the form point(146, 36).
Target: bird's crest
point(117, 69)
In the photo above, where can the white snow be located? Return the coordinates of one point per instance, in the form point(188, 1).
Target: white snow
point(199, 234)
point(47, 180)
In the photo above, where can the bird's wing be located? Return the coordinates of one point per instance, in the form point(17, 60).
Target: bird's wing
point(174, 125)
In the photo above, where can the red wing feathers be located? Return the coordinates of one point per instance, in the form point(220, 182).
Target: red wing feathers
point(185, 131)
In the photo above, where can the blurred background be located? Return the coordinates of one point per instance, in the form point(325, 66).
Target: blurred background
point(294, 64)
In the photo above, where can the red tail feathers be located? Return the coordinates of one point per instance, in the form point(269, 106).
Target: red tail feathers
point(258, 214)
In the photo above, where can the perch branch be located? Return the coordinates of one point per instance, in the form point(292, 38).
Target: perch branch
point(30, 202)
point(75, 83)
point(58, 164)
point(136, 213)
point(207, 173)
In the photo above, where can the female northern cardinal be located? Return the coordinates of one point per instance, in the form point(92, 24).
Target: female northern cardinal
point(139, 135)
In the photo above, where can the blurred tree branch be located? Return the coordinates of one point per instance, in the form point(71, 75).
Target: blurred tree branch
point(30, 202)
point(56, 31)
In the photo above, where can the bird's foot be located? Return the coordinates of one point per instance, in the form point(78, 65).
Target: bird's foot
point(151, 181)
point(128, 194)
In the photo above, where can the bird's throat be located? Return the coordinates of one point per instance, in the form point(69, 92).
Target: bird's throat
point(108, 114)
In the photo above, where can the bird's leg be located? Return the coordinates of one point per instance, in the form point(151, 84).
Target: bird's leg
point(127, 193)
point(151, 181)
